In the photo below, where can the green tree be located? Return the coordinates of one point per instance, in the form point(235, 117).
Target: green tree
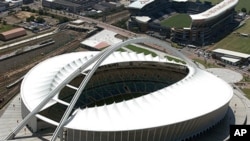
point(40, 12)
point(40, 20)
point(31, 18)
point(52, 16)
point(4, 22)
point(23, 8)
point(243, 10)
point(27, 8)
point(63, 19)
point(33, 11)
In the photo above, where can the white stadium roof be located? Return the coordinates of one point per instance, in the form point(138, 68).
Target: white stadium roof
point(198, 94)
point(139, 4)
point(216, 10)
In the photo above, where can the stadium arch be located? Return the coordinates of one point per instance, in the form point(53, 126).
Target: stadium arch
point(97, 60)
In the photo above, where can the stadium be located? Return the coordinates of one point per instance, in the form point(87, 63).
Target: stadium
point(122, 96)
point(208, 23)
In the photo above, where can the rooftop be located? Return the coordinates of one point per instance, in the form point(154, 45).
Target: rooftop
point(12, 31)
point(233, 53)
point(79, 21)
point(102, 39)
point(216, 10)
point(64, 2)
point(139, 4)
point(143, 19)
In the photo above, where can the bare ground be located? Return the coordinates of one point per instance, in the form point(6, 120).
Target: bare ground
point(13, 68)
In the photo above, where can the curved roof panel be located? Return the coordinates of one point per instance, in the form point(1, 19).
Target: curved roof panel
point(197, 94)
point(190, 98)
point(215, 11)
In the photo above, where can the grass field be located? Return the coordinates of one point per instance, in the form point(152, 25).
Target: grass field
point(205, 64)
point(247, 92)
point(5, 27)
point(140, 50)
point(175, 59)
point(236, 42)
point(178, 20)
point(121, 50)
point(243, 4)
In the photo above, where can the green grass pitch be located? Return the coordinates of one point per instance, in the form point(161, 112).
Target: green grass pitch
point(177, 21)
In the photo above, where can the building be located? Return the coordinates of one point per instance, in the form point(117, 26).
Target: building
point(104, 6)
point(3, 6)
point(101, 40)
point(62, 5)
point(70, 5)
point(129, 97)
point(86, 4)
point(28, 1)
point(209, 23)
point(80, 25)
point(12, 34)
point(15, 3)
point(230, 57)
point(146, 7)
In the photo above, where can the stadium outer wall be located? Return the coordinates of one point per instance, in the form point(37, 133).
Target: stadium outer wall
point(174, 132)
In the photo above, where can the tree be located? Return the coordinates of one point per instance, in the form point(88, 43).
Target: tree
point(40, 20)
point(63, 20)
point(33, 11)
point(31, 18)
point(52, 16)
point(40, 12)
point(23, 8)
point(4, 22)
point(243, 10)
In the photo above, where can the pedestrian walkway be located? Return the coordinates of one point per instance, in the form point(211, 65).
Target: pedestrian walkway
point(246, 102)
point(238, 109)
point(241, 103)
point(10, 119)
point(228, 75)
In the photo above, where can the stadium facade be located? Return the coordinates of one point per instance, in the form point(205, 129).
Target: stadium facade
point(209, 22)
point(122, 96)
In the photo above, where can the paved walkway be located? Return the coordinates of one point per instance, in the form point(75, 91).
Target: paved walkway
point(228, 75)
point(231, 77)
point(9, 120)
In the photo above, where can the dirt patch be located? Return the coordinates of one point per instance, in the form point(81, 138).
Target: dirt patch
point(12, 20)
point(22, 15)
point(18, 17)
